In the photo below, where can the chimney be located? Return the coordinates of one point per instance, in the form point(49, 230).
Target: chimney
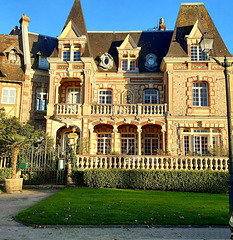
point(162, 25)
point(26, 51)
point(24, 21)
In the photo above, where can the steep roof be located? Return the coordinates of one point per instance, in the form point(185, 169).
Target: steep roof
point(77, 17)
point(41, 45)
point(156, 42)
point(187, 17)
point(10, 71)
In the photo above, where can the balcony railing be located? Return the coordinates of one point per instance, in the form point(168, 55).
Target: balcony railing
point(68, 109)
point(129, 109)
point(152, 162)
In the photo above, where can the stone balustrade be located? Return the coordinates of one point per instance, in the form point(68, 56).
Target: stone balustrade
point(68, 109)
point(152, 162)
point(129, 109)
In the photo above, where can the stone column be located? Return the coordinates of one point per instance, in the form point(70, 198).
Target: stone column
point(139, 140)
point(57, 92)
point(163, 131)
point(91, 132)
point(115, 131)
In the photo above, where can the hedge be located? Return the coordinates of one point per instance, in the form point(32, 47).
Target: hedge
point(5, 173)
point(182, 181)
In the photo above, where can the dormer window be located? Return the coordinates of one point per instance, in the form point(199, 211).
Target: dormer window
point(197, 54)
point(66, 53)
point(132, 66)
point(124, 65)
point(128, 55)
point(13, 57)
point(77, 53)
point(43, 63)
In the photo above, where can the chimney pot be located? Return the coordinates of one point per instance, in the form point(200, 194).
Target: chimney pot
point(162, 25)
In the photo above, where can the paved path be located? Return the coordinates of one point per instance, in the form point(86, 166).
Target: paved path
point(11, 204)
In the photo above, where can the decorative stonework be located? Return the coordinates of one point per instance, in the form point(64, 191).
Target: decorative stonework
point(106, 61)
point(180, 67)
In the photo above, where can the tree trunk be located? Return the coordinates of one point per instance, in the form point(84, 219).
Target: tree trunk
point(14, 161)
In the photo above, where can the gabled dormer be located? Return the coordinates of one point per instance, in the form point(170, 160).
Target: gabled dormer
point(128, 54)
point(13, 55)
point(193, 42)
point(71, 43)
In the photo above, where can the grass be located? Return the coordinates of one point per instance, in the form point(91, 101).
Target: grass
point(95, 206)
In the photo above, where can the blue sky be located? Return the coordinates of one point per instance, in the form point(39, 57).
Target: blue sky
point(49, 16)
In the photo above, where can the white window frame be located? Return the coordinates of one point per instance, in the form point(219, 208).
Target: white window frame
point(6, 93)
point(200, 94)
point(197, 54)
point(71, 94)
point(104, 97)
point(151, 96)
point(104, 140)
point(127, 137)
point(193, 136)
point(41, 99)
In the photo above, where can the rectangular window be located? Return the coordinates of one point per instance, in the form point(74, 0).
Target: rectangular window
point(197, 54)
point(128, 144)
point(151, 97)
point(186, 145)
point(41, 99)
point(201, 145)
point(151, 144)
point(199, 94)
point(105, 97)
point(104, 144)
point(77, 55)
point(124, 65)
point(73, 95)
point(66, 56)
point(43, 63)
point(132, 66)
point(8, 95)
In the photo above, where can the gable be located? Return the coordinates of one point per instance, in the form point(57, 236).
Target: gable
point(70, 31)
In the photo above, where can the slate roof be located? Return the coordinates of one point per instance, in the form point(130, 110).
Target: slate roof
point(187, 17)
point(77, 17)
point(156, 42)
point(41, 45)
point(13, 72)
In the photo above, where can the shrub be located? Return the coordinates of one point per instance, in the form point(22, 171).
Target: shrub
point(5, 173)
point(182, 181)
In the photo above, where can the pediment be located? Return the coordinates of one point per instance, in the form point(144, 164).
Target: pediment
point(70, 31)
point(128, 43)
point(197, 31)
point(14, 48)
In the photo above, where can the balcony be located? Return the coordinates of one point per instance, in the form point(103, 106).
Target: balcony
point(113, 109)
point(129, 109)
point(68, 109)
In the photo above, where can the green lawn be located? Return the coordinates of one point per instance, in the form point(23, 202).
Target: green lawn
point(95, 206)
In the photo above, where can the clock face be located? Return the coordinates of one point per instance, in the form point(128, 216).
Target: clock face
point(151, 61)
